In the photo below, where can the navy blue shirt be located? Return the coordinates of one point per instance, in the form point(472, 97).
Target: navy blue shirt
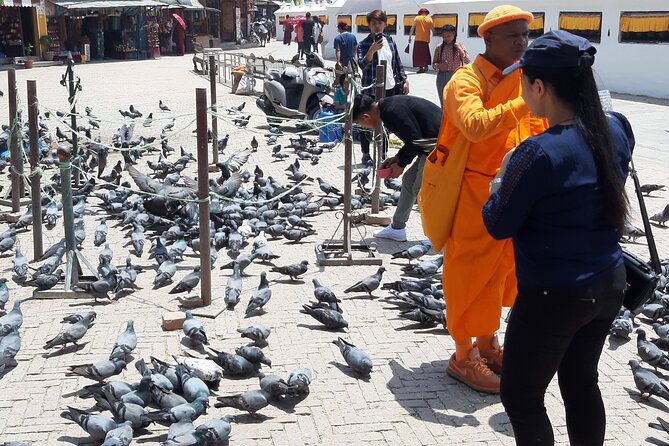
point(346, 42)
point(550, 204)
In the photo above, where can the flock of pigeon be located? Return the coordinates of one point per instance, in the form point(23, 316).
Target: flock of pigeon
point(160, 209)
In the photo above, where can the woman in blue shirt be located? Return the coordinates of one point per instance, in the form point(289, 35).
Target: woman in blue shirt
point(560, 196)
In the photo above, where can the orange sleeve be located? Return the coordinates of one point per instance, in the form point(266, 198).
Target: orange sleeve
point(464, 106)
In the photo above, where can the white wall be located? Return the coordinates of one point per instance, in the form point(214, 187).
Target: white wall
point(633, 68)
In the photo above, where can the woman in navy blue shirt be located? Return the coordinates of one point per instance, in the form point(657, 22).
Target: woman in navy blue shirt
point(560, 196)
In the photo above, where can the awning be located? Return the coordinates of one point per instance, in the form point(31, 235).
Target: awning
point(189, 5)
point(19, 3)
point(105, 4)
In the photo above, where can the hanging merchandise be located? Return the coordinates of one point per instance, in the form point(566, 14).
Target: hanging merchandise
point(11, 42)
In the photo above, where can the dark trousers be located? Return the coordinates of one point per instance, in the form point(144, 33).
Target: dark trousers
point(564, 332)
point(306, 45)
point(366, 136)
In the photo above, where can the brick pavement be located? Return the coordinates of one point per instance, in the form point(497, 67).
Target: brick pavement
point(408, 398)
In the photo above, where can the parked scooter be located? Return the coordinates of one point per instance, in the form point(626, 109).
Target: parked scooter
point(295, 93)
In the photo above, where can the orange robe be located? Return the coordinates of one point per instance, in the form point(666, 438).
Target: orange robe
point(479, 272)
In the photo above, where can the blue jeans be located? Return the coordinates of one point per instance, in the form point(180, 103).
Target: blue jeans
point(442, 79)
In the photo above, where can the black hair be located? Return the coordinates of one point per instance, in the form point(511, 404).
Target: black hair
point(307, 15)
point(361, 104)
point(577, 88)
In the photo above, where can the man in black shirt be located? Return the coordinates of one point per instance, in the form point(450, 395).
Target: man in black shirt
point(308, 28)
point(410, 118)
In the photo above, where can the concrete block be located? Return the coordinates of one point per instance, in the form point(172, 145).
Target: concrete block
point(173, 320)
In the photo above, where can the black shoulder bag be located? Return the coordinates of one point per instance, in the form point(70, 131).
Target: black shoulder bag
point(642, 277)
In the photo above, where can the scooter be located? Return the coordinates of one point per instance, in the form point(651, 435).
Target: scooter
point(293, 93)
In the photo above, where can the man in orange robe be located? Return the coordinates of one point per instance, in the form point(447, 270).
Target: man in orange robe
point(485, 107)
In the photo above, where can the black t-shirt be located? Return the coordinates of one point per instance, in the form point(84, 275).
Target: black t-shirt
point(308, 28)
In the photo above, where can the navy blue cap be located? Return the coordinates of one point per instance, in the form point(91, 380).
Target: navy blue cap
point(556, 49)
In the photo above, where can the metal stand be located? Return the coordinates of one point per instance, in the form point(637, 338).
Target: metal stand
point(73, 273)
point(203, 195)
point(73, 86)
point(35, 176)
point(213, 72)
point(341, 252)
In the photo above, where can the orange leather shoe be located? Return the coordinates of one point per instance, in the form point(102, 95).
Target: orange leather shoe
point(474, 372)
point(493, 356)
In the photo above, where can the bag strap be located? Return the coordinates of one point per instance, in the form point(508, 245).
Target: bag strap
point(648, 229)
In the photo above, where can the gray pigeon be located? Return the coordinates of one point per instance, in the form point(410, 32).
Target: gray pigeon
point(649, 352)
point(97, 426)
point(100, 233)
point(412, 253)
point(4, 294)
point(7, 244)
point(293, 271)
point(326, 187)
point(233, 289)
point(46, 281)
point(134, 413)
point(358, 360)
point(76, 317)
point(70, 335)
point(194, 330)
point(332, 319)
point(251, 401)
point(187, 411)
point(647, 382)
point(187, 283)
point(20, 265)
point(101, 288)
point(253, 354)
point(9, 348)
point(325, 295)
point(193, 388)
point(98, 371)
point(273, 384)
point(299, 380)
point(235, 365)
point(260, 296)
point(165, 272)
point(217, 430)
point(424, 269)
point(622, 326)
point(661, 217)
point(257, 333)
point(368, 284)
point(125, 343)
point(120, 436)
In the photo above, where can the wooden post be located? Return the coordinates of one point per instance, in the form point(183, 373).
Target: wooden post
point(35, 188)
point(348, 166)
point(203, 195)
point(16, 157)
point(213, 68)
point(378, 134)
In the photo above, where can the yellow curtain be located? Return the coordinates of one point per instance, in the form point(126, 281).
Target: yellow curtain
point(441, 20)
point(392, 19)
point(538, 22)
point(408, 20)
point(324, 19)
point(361, 20)
point(345, 18)
point(644, 24)
point(580, 22)
point(476, 18)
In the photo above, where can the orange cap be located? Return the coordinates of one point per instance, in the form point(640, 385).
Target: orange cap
point(503, 14)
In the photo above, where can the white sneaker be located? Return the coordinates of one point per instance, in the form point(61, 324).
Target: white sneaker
point(399, 235)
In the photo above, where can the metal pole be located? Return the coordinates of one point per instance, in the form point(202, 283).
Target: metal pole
point(73, 112)
point(378, 133)
point(203, 195)
point(213, 68)
point(348, 166)
point(64, 158)
point(16, 159)
point(35, 177)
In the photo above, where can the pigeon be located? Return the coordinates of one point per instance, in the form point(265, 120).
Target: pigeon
point(162, 106)
point(622, 326)
point(251, 401)
point(274, 385)
point(99, 371)
point(254, 144)
point(97, 426)
point(647, 382)
point(223, 143)
point(253, 354)
point(293, 271)
point(235, 365)
point(332, 319)
point(125, 343)
point(325, 295)
point(424, 269)
point(650, 188)
point(412, 253)
point(9, 348)
point(188, 411)
point(70, 335)
point(368, 284)
point(100, 233)
point(217, 430)
point(134, 413)
point(120, 436)
point(205, 369)
point(189, 282)
point(4, 294)
point(296, 235)
point(257, 333)
point(149, 119)
point(233, 289)
point(649, 352)
point(632, 232)
point(407, 285)
point(299, 380)
point(101, 288)
point(661, 217)
point(192, 387)
point(326, 187)
point(7, 244)
point(14, 319)
point(46, 281)
point(358, 360)
point(165, 272)
point(260, 296)
point(194, 330)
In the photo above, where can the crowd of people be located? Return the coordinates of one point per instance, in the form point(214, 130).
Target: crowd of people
point(524, 193)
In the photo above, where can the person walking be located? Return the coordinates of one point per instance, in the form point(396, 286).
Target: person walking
point(373, 48)
point(345, 45)
point(307, 33)
point(560, 196)
point(484, 117)
point(422, 27)
point(410, 118)
point(448, 57)
point(299, 38)
point(287, 30)
point(317, 37)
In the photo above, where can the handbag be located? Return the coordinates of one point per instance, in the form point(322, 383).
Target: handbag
point(642, 277)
